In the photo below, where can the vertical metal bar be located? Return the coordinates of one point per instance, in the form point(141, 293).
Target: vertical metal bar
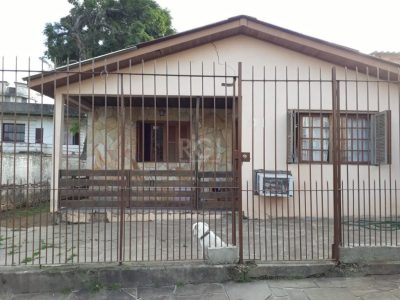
point(311, 120)
point(14, 207)
point(28, 204)
point(155, 166)
point(226, 145)
point(336, 166)
point(239, 164)
point(79, 151)
point(93, 167)
point(196, 152)
point(105, 151)
point(180, 151)
point(379, 166)
point(191, 148)
point(287, 164)
point(276, 165)
point(321, 169)
point(390, 165)
point(123, 179)
point(264, 156)
point(369, 162)
point(253, 239)
point(298, 175)
point(358, 157)
point(131, 157)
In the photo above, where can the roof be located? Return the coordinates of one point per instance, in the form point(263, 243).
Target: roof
point(245, 25)
point(386, 55)
point(32, 109)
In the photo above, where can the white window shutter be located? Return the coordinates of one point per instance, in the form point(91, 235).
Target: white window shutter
point(380, 138)
point(291, 136)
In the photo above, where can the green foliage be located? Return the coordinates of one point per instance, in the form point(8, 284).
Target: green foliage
point(96, 27)
point(74, 127)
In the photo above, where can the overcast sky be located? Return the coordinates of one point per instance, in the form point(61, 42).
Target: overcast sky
point(364, 25)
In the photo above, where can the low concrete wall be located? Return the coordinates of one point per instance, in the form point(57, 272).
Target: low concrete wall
point(22, 168)
point(366, 254)
point(23, 195)
point(62, 278)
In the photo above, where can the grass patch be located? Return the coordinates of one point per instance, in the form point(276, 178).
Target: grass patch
point(26, 260)
point(13, 249)
point(30, 211)
point(71, 257)
point(114, 287)
point(44, 245)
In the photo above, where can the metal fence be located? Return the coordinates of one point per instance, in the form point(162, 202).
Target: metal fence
point(286, 163)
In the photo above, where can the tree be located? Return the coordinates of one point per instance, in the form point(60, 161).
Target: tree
point(96, 27)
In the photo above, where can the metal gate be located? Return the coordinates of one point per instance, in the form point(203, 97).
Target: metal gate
point(286, 163)
point(136, 166)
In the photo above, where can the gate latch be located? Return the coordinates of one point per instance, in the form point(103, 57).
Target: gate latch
point(245, 156)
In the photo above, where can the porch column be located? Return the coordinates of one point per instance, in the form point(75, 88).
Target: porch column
point(58, 137)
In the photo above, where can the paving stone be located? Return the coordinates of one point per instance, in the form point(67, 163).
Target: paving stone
point(393, 278)
point(249, 290)
point(329, 294)
point(385, 285)
point(335, 282)
point(361, 293)
point(380, 295)
point(101, 295)
point(159, 293)
point(203, 297)
point(301, 283)
point(279, 292)
point(130, 291)
point(200, 289)
point(49, 296)
point(296, 294)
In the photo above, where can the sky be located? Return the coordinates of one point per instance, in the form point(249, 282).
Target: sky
point(364, 25)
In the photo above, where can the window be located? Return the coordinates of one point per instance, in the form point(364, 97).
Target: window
point(364, 137)
point(13, 133)
point(314, 138)
point(71, 138)
point(355, 138)
point(39, 136)
point(156, 143)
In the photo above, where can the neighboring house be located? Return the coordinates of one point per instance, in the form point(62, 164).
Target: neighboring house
point(386, 55)
point(27, 126)
point(26, 133)
point(180, 113)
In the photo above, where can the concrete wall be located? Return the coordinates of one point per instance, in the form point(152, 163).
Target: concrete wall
point(264, 60)
point(23, 168)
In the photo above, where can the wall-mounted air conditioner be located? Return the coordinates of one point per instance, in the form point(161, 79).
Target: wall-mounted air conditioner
point(273, 183)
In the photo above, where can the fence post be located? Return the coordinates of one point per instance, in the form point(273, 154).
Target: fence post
point(239, 161)
point(123, 180)
point(337, 205)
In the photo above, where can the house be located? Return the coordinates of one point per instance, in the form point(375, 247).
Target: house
point(235, 110)
point(27, 134)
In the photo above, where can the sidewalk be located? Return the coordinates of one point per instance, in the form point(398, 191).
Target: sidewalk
point(380, 287)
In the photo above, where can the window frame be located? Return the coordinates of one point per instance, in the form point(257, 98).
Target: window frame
point(14, 132)
point(294, 152)
point(301, 138)
point(39, 135)
point(165, 143)
point(357, 116)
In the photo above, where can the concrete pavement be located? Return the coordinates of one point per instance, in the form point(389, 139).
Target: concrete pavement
point(337, 288)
